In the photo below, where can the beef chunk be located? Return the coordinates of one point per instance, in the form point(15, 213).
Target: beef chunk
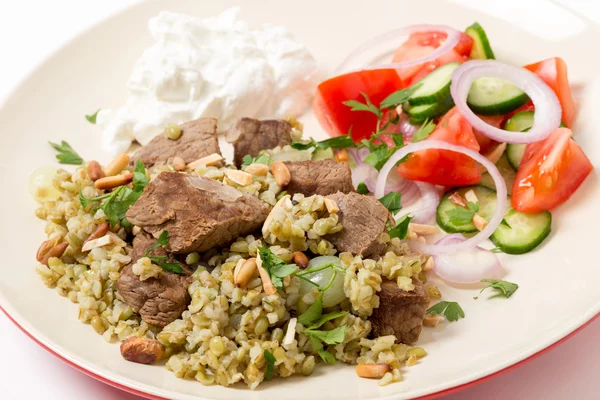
point(319, 177)
point(400, 313)
point(198, 213)
point(198, 139)
point(250, 136)
point(159, 301)
point(364, 219)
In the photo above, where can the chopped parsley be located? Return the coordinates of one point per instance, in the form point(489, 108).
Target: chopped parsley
point(462, 216)
point(270, 358)
point(275, 266)
point(312, 313)
point(399, 97)
point(392, 201)
point(362, 188)
point(450, 309)
point(424, 131)
point(121, 199)
point(366, 106)
point(401, 228)
point(259, 159)
point(92, 117)
point(339, 142)
point(162, 241)
point(66, 154)
point(504, 288)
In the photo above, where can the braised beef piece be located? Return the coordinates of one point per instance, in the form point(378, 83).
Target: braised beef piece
point(250, 136)
point(400, 313)
point(159, 301)
point(323, 177)
point(198, 213)
point(364, 219)
point(198, 139)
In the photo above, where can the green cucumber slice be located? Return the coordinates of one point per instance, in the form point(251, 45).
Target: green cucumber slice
point(524, 233)
point(493, 96)
point(514, 153)
point(481, 49)
point(418, 114)
point(487, 205)
point(435, 86)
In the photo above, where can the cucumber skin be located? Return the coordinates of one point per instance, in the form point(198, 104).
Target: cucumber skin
point(527, 248)
point(502, 108)
point(437, 110)
point(452, 229)
point(437, 97)
point(477, 33)
point(512, 159)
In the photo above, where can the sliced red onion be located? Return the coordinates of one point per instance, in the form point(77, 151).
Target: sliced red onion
point(430, 197)
point(547, 107)
point(467, 266)
point(358, 155)
point(501, 193)
point(453, 36)
point(364, 173)
point(408, 130)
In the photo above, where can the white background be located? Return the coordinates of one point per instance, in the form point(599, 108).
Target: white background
point(29, 31)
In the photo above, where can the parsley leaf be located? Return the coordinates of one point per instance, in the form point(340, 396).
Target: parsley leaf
point(338, 142)
point(140, 181)
point(462, 216)
point(312, 313)
point(424, 131)
point(397, 138)
point(163, 240)
point(401, 228)
point(66, 154)
point(367, 106)
point(391, 201)
point(270, 358)
point(399, 97)
point(92, 117)
point(327, 317)
point(506, 288)
point(505, 223)
point(334, 336)
point(451, 310)
point(259, 159)
point(362, 188)
point(275, 266)
point(326, 356)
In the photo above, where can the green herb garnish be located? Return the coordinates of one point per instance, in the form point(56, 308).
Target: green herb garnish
point(461, 216)
point(92, 118)
point(424, 131)
point(399, 97)
point(270, 358)
point(362, 188)
point(334, 336)
point(451, 310)
point(66, 154)
point(163, 240)
point(338, 142)
point(312, 313)
point(392, 201)
point(260, 159)
point(504, 288)
point(401, 228)
point(275, 266)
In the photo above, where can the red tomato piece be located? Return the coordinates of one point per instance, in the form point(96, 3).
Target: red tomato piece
point(550, 172)
point(443, 167)
point(553, 71)
point(337, 118)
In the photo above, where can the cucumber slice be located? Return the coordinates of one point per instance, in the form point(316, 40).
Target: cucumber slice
point(487, 205)
point(505, 169)
point(418, 114)
point(526, 231)
point(435, 86)
point(481, 46)
point(514, 153)
point(493, 96)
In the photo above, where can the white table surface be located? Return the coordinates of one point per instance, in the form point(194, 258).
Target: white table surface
point(32, 29)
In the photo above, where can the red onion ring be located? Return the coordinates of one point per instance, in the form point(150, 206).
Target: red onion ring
point(430, 197)
point(408, 130)
point(547, 107)
point(469, 266)
point(453, 36)
point(501, 193)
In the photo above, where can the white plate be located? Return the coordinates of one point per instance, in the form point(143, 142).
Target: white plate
point(558, 283)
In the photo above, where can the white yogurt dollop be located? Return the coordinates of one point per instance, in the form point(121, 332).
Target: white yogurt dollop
point(215, 67)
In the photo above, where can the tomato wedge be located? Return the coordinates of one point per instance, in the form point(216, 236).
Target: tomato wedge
point(550, 172)
point(443, 167)
point(337, 118)
point(553, 71)
point(421, 44)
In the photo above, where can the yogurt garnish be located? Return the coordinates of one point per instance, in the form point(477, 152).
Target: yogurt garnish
point(215, 67)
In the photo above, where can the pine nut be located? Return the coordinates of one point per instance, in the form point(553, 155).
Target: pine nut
point(265, 278)
point(431, 321)
point(111, 182)
point(424, 230)
point(45, 247)
point(245, 273)
point(479, 222)
point(178, 163)
point(95, 170)
point(239, 177)
point(287, 280)
point(208, 160)
point(300, 259)
point(135, 230)
point(341, 155)
point(56, 251)
point(428, 266)
point(332, 206)
point(99, 232)
point(471, 197)
point(236, 270)
point(457, 199)
point(257, 169)
point(281, 173)
point(372, 371)
point(117, 165)
point(421, 239)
